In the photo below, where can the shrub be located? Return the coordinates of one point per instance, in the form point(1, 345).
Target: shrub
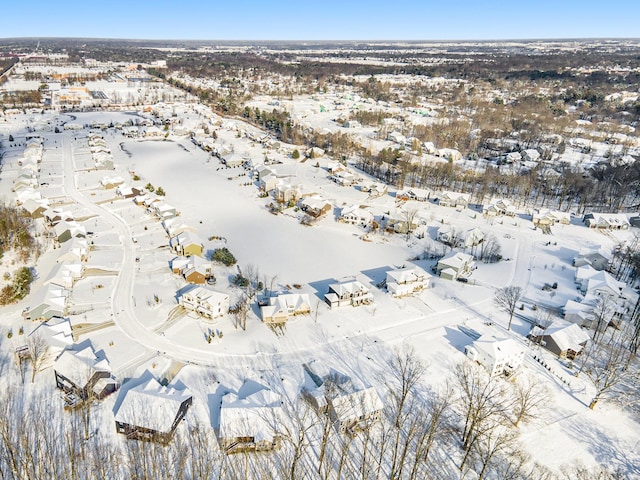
point(296, 154)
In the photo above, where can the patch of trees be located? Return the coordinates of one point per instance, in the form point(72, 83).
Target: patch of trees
point(224, 256)
point(25, 97)
point(15, 232)
point(18, 289)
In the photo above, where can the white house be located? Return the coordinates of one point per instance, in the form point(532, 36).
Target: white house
point(355, 215)
point(406, 281)
point(454, 265)
point(205, 302)
point(356, 410)
point(500, 356)
point(499, 206)
point(350, 292)
point(281, 307)
point(250, 422)
point(454, 199)
point(150, 411)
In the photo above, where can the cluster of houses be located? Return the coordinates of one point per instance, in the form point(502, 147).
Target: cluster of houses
point(52, 299)
point(100, 152)
point(597, 287)
point(250, 418)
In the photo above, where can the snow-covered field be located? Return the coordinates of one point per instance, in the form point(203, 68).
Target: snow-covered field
point(221, 202)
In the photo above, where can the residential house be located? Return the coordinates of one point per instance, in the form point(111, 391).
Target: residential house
point(608, 221)
point(174, 227)
point(530, 155)
point(187, 244)
point(233, 160)
point(343, 177)
point(268, 183)
point(597, 258)
point(375, 189)
point(53, 216)
point(56, 334)
point(315, 206)
point(111, 182)
point(64, 231)
point(579, 313)
point(355, 215)
point(197, 271)
point(163, 210)
point(126, 191)
point(356, 411)
point(450, 154)
point(205, 302)
point(75, 251)
point(350, 292)
point(35, 208)
point(500, 356)
point(413, 193)
point(65, 274)
point(406, 281)
point(83, 376)
point(498, 207)
point(455, 265)
point(454, 199)
point(544, 217)
point(49, 301)
point(250, 422)
point(351, 407)
point(400, 226)
point(281, 307)
point(285, 193)
point(264, 171)
point(152, 412)
point(566, 340)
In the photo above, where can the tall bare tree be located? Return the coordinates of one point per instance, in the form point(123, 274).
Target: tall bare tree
point(38, 350)
point(609, 364)
point(507, 299)
point(482, 402)
point(531, 397)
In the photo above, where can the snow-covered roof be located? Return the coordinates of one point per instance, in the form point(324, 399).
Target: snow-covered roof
point(567, 336)
point(150, 405)
point(407, 275)
point(498, 348)
point(256, 415)
point(349, 287)
point(80, 365)
point(456, 260)
point(287, 303)
point(357, 404)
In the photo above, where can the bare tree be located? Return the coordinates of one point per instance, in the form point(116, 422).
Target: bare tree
point(482, 403)
point(603, 311)
point(38, 350)
point(406, 371)
point(490, 249)
point(240, 311)
point(530, 398)
point(496, 443)
point(409, 215)
point(507, 299)
point(609, 364)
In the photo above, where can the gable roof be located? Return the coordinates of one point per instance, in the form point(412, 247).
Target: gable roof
point(357, 404)
point(150, 405)
point(80, 365)
point(255, 415)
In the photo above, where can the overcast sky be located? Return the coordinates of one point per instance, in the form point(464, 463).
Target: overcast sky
point(321, 19)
